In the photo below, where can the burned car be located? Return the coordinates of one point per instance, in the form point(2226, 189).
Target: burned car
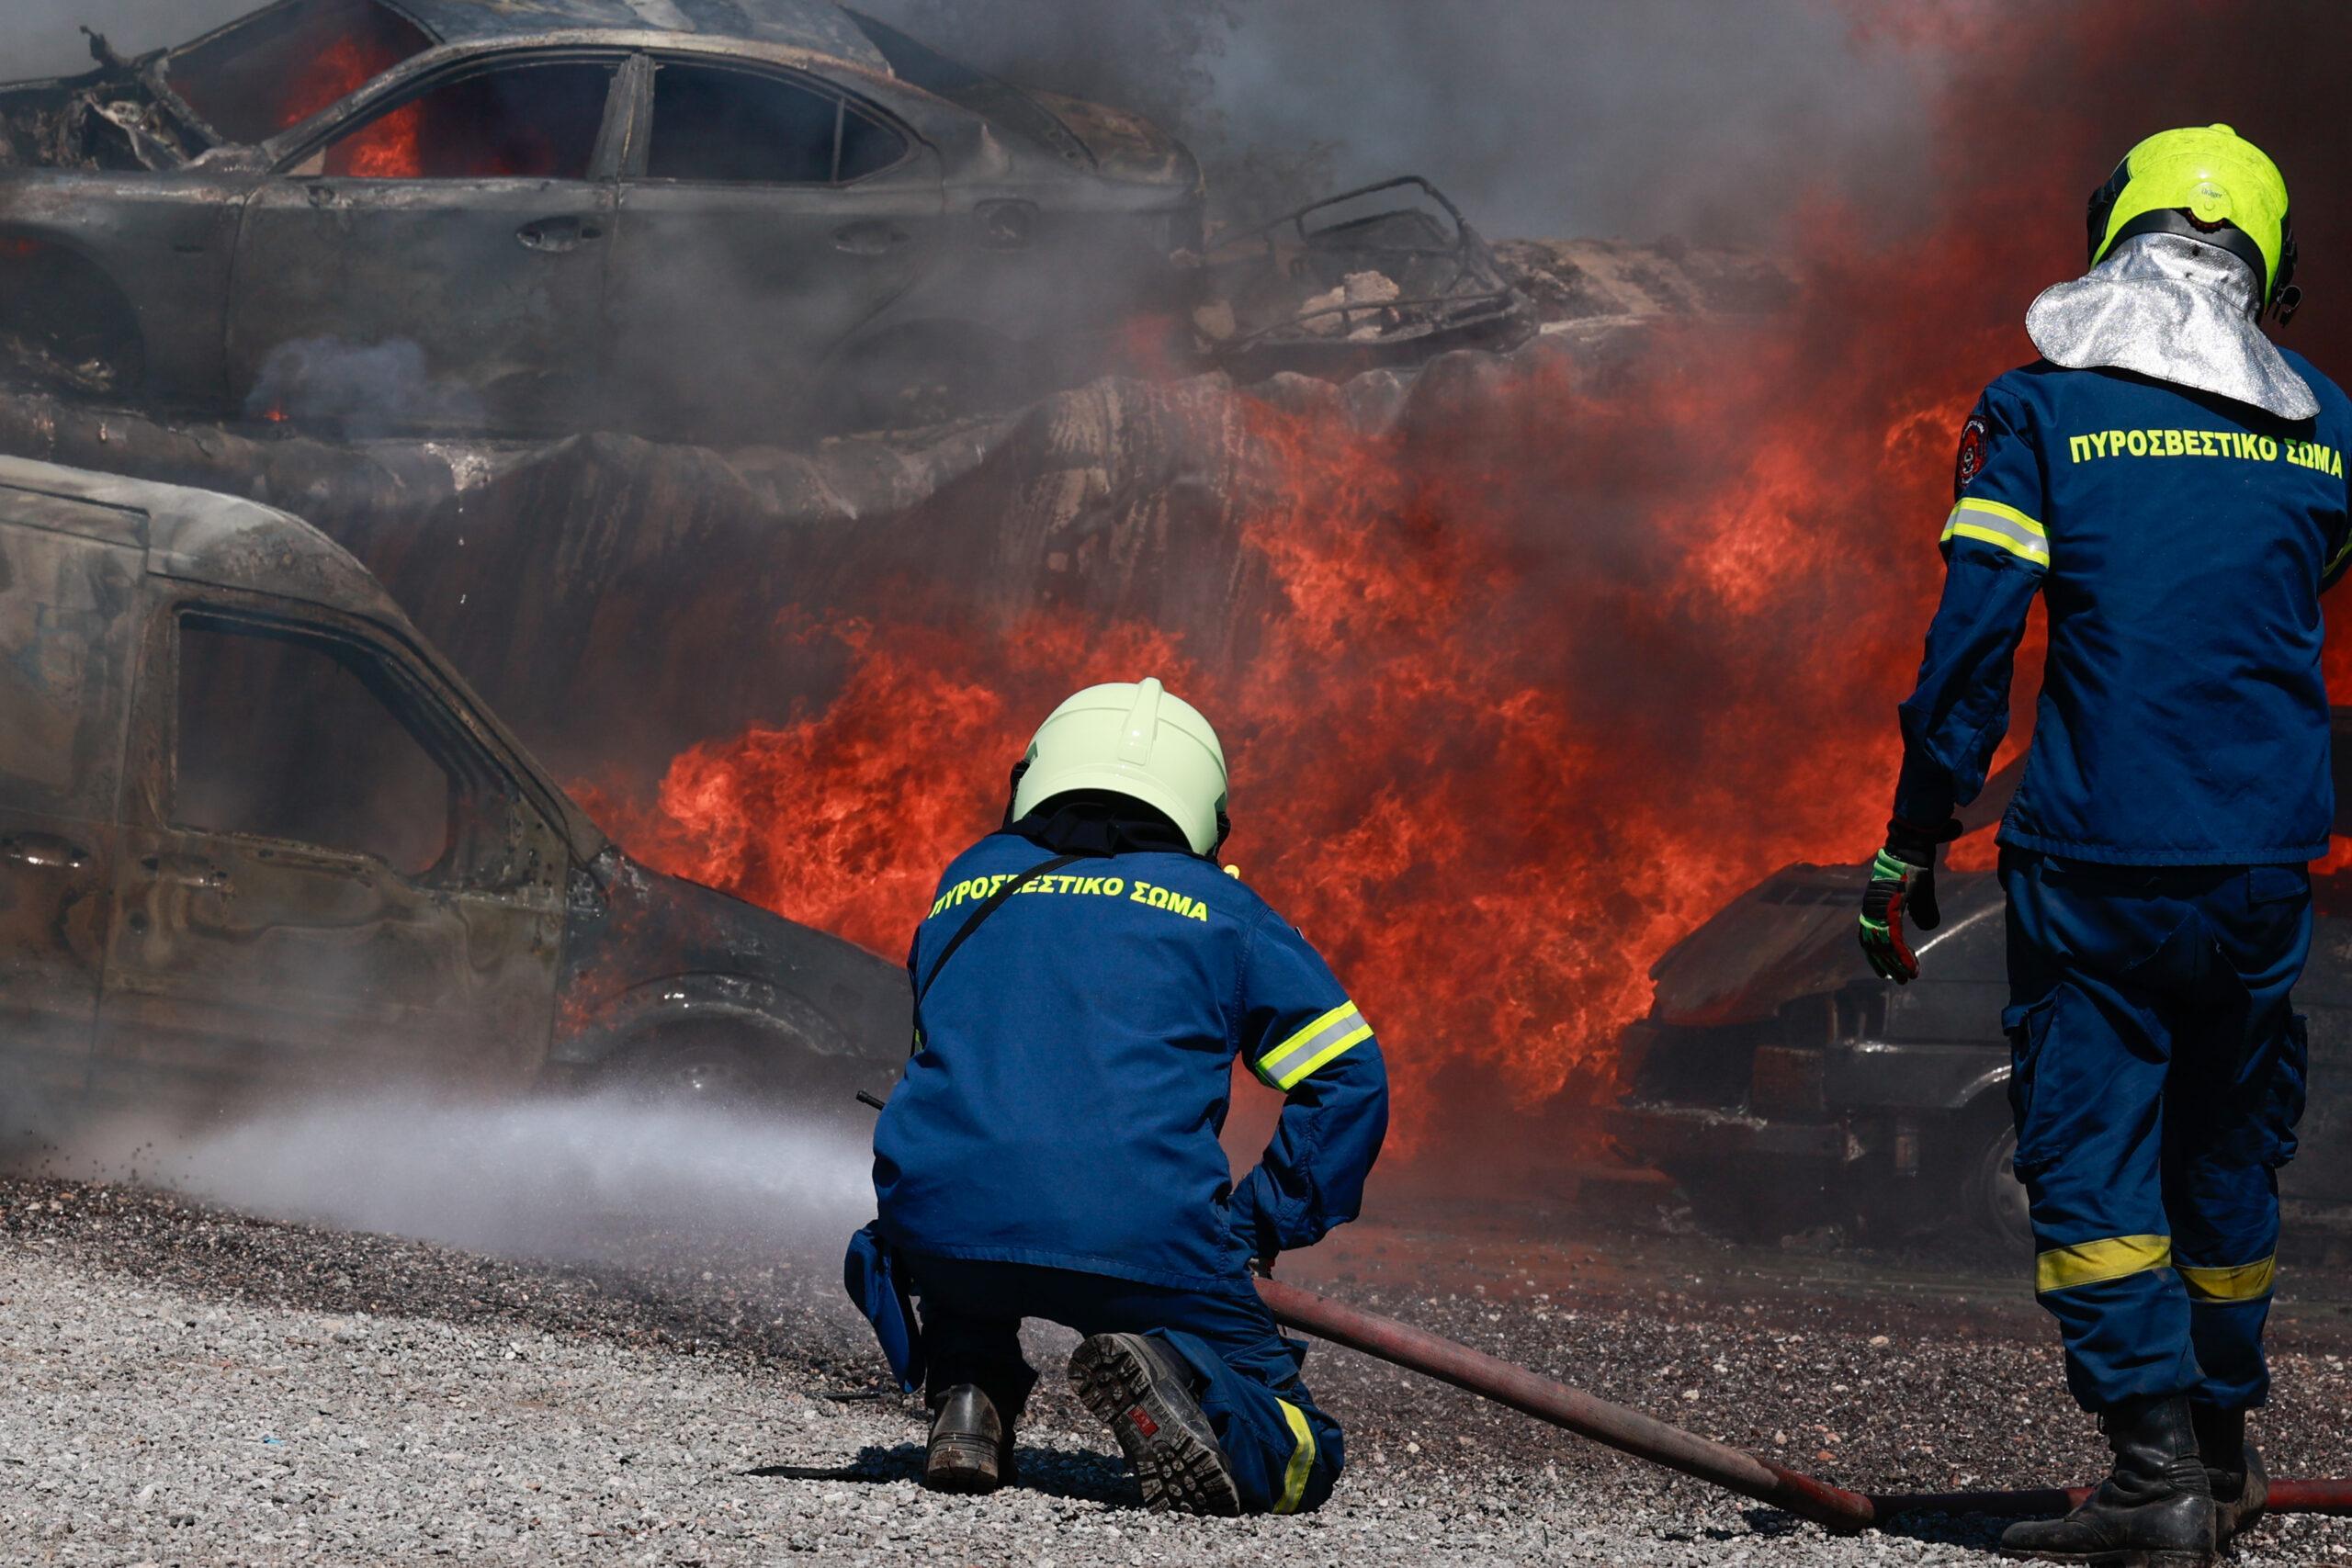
point(1781, 1084)
point(255, 836)
point(1387, 273)
point(736, 218)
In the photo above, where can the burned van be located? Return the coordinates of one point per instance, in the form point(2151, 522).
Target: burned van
point(258, 837)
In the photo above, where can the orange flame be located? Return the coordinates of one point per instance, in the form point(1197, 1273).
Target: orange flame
point(1496, 751)
point(1553, 671)
point(386, 148)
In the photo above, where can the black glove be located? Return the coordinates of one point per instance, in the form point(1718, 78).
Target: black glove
point(1903, 882)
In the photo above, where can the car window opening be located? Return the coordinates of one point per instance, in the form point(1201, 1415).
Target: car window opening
point(291, 736)
point(526, 122)
point(736, 126)
point(273, 71)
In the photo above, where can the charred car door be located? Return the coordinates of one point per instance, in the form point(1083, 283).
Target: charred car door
point(70, 573)
point(765, 215)
point(325, 877)
point(431, 254)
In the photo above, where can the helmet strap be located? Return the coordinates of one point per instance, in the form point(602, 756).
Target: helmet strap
point(1012, 789)
point(2286, 295)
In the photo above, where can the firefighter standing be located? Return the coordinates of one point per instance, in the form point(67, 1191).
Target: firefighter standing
point(2174, 485)
point(1085, 981)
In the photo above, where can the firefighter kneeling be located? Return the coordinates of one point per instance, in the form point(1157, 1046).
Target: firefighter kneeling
point(1083, 983)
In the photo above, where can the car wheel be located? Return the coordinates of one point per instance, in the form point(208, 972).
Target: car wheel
point(1994, 1199)
point(697, 1070)
point(65, 329)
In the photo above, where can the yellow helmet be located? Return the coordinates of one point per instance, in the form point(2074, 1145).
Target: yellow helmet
point(2208, 183)
point(1136, 739)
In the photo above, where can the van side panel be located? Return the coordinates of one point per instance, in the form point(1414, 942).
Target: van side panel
point(68, 611)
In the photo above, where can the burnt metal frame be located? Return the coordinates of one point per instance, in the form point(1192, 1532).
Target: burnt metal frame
point(1464, 252)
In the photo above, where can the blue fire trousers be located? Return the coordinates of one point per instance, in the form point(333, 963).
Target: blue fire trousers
point(2157, 1076)
point(1284, 1452)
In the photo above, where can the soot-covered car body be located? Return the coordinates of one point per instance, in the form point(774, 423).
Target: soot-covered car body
point(1774, 1071)
point(707, 217)
point(257, 837)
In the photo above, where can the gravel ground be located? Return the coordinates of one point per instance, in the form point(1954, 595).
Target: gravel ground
point(187, 1386)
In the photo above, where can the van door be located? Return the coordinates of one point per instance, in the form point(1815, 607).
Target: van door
point(327, 879)
point(69, 576)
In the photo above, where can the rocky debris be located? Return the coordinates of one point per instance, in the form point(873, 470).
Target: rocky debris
point(1354, 310)
point(182, 1384)
point(1616, 283)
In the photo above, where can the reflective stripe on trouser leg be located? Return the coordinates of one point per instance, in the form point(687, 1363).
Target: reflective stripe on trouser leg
point(2091, 1057)
point(1301, 1459)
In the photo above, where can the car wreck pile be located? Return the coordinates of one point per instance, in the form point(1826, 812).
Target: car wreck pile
point(445, 281)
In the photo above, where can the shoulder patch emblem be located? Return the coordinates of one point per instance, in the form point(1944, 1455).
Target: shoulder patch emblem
point(1970, 462)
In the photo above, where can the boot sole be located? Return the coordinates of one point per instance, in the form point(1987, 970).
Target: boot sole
point(1175, 1459)
point(968, 1467)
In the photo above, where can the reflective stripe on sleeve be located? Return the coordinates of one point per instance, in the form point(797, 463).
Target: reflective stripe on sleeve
point(1993, 523)
point(2244, 1282)
point(1301, 1459)
point(1312, 1046)
point(2089, 1262)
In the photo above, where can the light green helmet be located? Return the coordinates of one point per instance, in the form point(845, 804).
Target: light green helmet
point(2208, 183)
point(1134, 739)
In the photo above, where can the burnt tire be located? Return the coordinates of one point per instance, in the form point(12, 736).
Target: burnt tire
point(64, 328)
point(692, 1069)
point(1991, 1198)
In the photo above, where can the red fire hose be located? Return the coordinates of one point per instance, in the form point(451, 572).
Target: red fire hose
point(1630, 1431)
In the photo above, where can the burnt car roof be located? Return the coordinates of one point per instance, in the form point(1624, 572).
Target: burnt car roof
point(816, 26)
point(205, 536)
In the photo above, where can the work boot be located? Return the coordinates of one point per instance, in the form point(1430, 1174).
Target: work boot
point(971, 1446)
point(2155, 1509)
point(1143, 1392)
point(2233, 1469)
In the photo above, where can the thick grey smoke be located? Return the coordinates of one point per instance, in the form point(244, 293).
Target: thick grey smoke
point(536, 1177)
point(1545, 117)
point(1627, 117)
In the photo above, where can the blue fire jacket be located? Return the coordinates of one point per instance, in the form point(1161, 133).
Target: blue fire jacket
point(2182, 541)
point(1075, 1063)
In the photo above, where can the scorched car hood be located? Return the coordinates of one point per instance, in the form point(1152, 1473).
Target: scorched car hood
point(1791, 935)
